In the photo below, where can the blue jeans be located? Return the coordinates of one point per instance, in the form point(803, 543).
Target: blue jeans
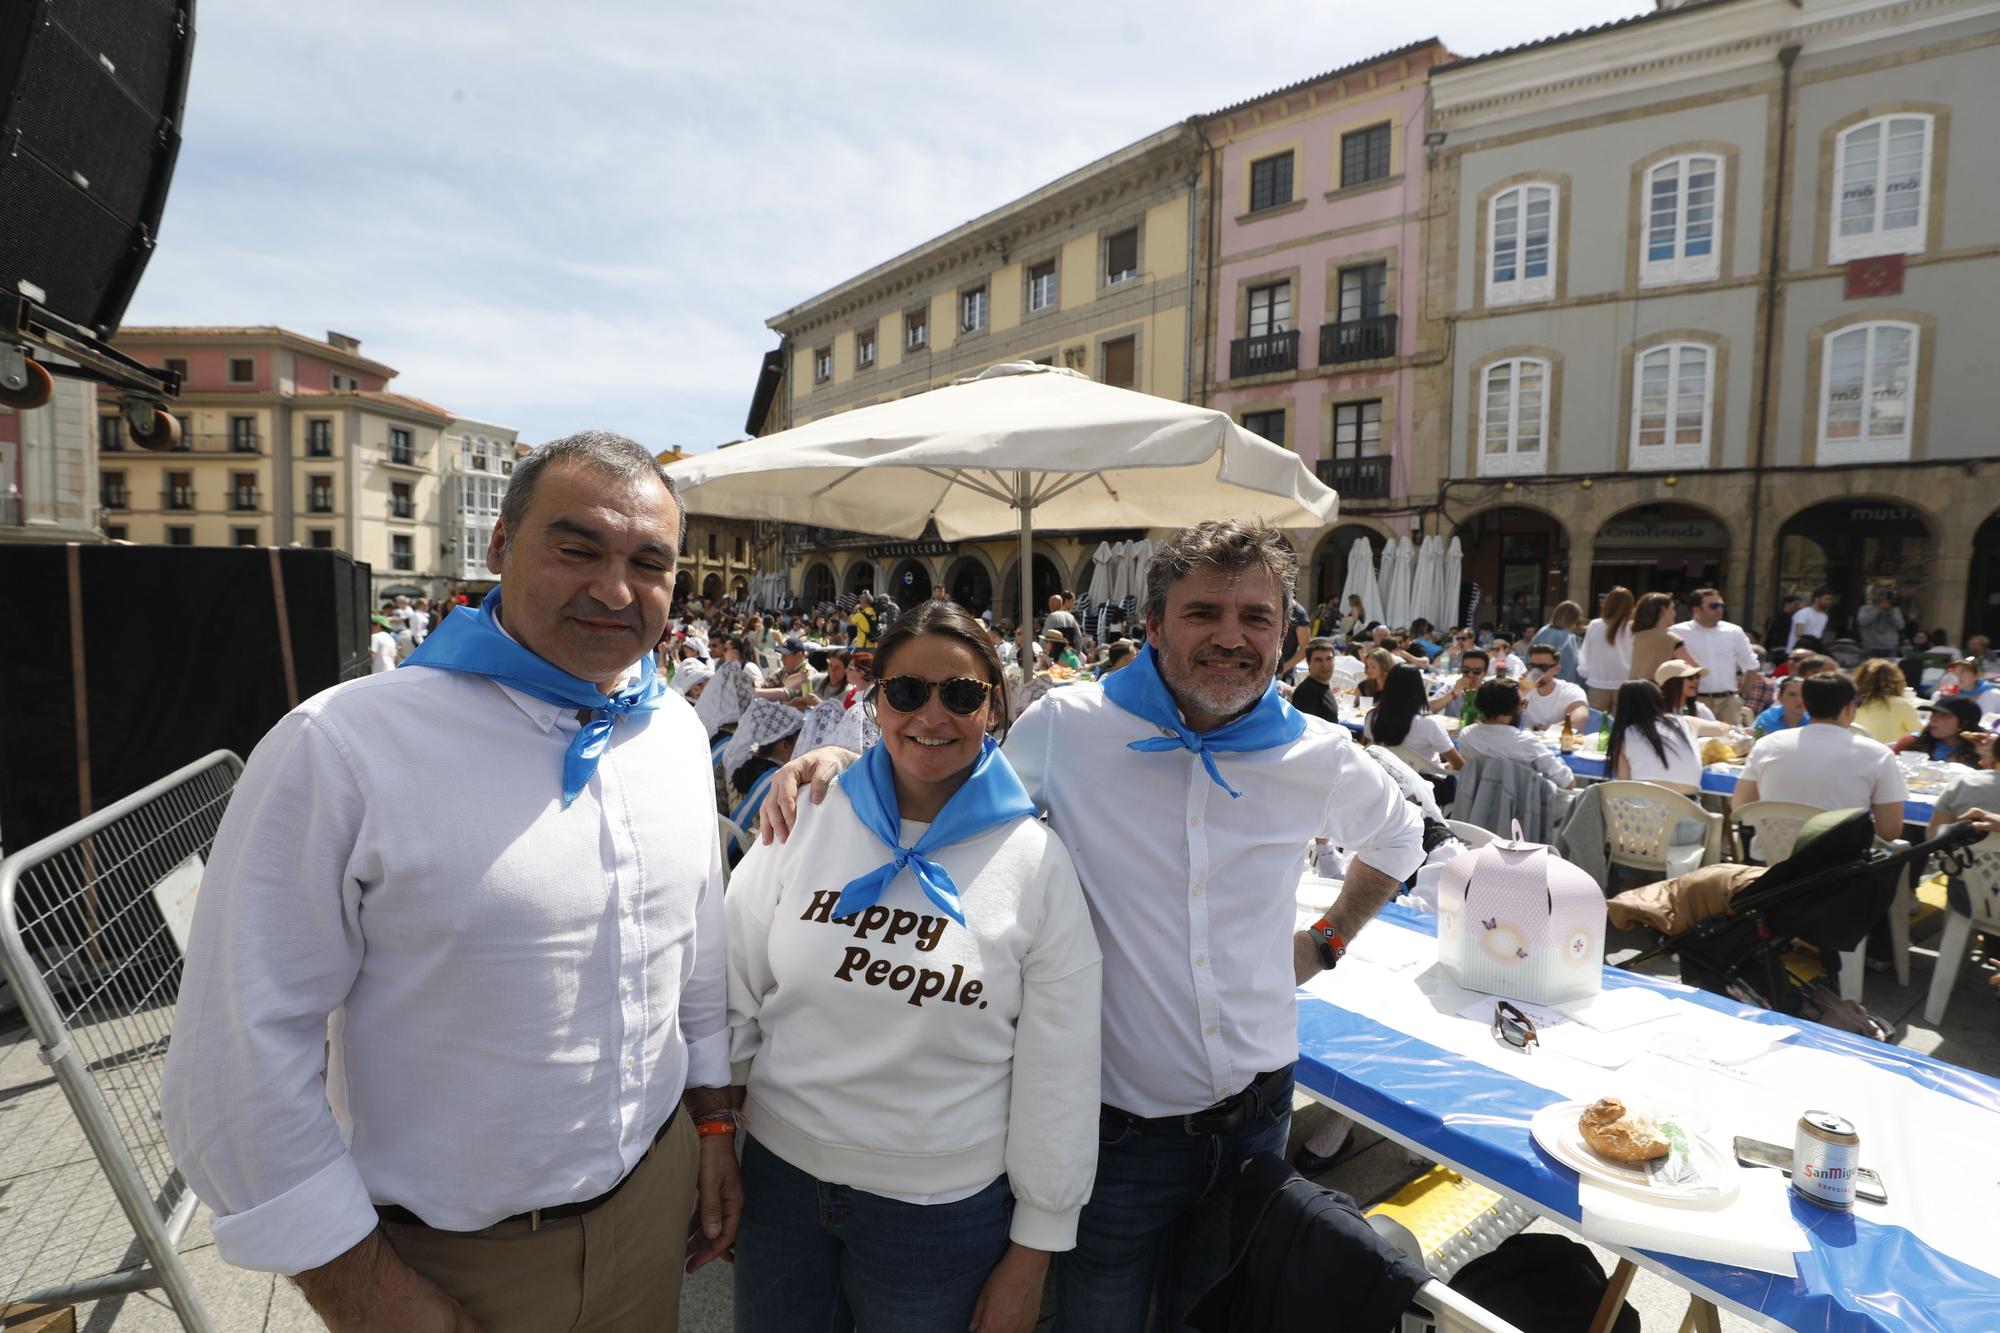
point(1155, 1233)
point(813, 1257)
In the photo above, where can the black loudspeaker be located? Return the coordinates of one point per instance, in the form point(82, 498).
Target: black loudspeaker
point(181, 655)
point(91, 93)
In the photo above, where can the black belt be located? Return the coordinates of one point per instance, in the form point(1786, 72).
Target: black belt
point(1220, 1118)
point(1714, 694)
point(535, 1217)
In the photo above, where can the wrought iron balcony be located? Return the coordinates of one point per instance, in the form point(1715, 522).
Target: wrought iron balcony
point(401, 506)
point(245, 442)
point(1357, 340)
point(402, 560)
point(1265, 354)
point(179, 497)
point(243, 498)
point(319, 502)
point(112, 497)
point(1357, 478)
point(402, 453)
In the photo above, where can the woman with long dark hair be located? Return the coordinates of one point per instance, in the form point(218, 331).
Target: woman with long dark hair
point(1651, 744)
point(1653, 639)
point(1606, 657)
point(1402, 718)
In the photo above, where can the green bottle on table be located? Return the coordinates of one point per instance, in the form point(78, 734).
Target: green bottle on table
point(1604, 732)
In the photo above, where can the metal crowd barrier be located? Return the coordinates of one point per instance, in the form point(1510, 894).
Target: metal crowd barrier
point(92, 928)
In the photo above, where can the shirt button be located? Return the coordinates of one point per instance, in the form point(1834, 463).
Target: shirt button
point(628, 1062)
point(1213, 1029)
point(626, 985)
point(1197, 890)
point(545, 719)
point(1201, 960)
point(1195, 821)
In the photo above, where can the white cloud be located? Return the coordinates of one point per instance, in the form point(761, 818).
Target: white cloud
point(582, 216)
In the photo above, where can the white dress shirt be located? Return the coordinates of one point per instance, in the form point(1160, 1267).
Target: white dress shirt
point(1192, 890)
point(1724, 649)
point(509, 997)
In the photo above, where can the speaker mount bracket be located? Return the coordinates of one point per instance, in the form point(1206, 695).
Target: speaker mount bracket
point(77, 353)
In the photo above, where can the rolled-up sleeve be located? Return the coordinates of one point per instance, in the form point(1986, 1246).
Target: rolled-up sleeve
point(1367, 816)
point(275, 948)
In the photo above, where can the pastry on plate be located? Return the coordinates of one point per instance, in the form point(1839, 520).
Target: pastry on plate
point(1623, 1136)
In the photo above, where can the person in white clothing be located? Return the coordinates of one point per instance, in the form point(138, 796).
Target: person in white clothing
point(1215, 787)
point(1401, 720)
point(1506, 662)
point(420, 619)
point(1650, 743)
point(1606, 656)
point(518, 1024)
point(1498, 734)
point(926, 1046)
point(1723, 651)
point(1548, 698)
point(1809, 621)
point(381, 648)
point(1825, 763)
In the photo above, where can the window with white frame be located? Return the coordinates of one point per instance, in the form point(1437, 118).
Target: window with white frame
point(916, 328)
point(1673, 389)
point(864, 348)
point(972, 310)
point(1514, 417)
point(1270, 309)
point(1521, 264)
point(1867, 393)
point(1357, 428)
point(822, 365)
point(1042, 285)
point(1882, 170)
point(1683, 212)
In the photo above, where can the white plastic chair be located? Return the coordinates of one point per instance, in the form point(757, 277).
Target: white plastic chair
point(1639, 820)
point(1982, 883)
point(1471, 835)
point(1453, 1313)
point(730, 832)
point(1776, 826)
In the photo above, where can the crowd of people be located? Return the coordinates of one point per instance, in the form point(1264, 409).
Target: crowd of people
point(941, 1039)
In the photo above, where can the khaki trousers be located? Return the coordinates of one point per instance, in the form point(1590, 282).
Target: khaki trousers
point(1726, 707)
point(615, 1269)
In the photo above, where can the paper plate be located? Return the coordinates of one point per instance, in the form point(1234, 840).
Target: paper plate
point(1555, 1128)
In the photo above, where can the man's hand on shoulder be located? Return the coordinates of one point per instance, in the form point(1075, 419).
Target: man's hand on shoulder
point(369, 1289)
point(816, 770)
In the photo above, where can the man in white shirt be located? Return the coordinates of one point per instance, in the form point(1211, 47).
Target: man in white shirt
point(1724, 650)
point(381, 648)
point(1809, 621)
point(1193, 900)
point(1825, 763)
point(420, 619)
point(1497, 735)
point(1549, 698)
point(518, 1023)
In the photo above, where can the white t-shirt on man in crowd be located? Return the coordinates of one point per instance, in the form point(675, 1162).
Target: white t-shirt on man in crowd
point(1826, 765)
point(1807, 621)
point(1540, 710)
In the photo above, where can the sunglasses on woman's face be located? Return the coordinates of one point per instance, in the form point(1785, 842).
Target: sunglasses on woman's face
point(963, 695)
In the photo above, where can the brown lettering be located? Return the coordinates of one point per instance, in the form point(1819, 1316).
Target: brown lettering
point(821, 907)
point(930, 931)
point(901, 923)
point(971, 992)
point(877, 970)
point(929, 983)
point(856, 956)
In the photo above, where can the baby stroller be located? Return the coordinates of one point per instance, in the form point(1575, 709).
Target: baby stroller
point(1733, 925)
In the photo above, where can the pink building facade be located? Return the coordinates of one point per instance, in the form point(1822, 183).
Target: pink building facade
point(1319, 338)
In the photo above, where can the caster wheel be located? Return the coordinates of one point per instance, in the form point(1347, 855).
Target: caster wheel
point(38, 390)
point(165, 433)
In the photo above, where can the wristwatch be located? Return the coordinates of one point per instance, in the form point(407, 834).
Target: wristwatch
point(1328, 942)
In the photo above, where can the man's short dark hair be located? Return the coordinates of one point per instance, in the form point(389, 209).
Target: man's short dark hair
point(1548, 648)
point(1322, 645)
point(1229, 546)
point(1497, 698)
point(600, 450)
point(1471, 653)
point(1826, 695)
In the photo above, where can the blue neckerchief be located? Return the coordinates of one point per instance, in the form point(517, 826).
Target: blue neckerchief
point(1139, 690)
point(992, 796)
point(471, 640)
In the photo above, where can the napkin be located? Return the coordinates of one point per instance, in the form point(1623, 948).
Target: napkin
point(1755, 1229)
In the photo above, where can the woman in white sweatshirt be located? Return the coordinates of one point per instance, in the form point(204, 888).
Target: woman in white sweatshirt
point(1606, 657)
point(913, 996)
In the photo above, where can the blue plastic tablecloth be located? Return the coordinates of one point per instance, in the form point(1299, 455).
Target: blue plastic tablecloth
point(1860, 1276)
point(1588, 764)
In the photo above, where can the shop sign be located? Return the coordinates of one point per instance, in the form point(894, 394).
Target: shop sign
point(1676, 533)
point(1879, 513)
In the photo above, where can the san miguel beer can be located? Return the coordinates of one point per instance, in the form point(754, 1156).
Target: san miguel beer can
point(1825, 1157)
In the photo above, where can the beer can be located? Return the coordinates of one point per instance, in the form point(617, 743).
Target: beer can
point(1825, 1156)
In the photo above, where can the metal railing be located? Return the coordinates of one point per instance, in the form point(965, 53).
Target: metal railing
point(244, 442)
point(93, 922)
point(1264, 354)
point(243, 498)
point(401, 506)
point(1357, 478)
point(404, 454)
point(178, 497)
point(112, 497)
point(1357, 340)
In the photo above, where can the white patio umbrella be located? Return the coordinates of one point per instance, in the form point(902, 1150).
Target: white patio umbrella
point(1454, 567)
point(1016, 445)
point(1427, 595)
point(1361, 580)
point(1399, 569)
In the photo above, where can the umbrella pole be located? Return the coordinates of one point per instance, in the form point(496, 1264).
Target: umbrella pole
point(1025, 631)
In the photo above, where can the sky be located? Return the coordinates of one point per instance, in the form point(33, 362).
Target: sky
point(561, 225)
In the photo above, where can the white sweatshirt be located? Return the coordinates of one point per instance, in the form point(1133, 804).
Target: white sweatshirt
point(897, 1052)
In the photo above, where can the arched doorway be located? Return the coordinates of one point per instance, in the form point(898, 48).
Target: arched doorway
point(711, 588)
point(1047, 581)
point(967, 583)
point(1516, 566)
point(818, 585)
point(859, 578)
point(910, 582)
point(1982, 584)
point(1329, 567)
point(1670, 548)
point(683, 587)
point(1856, 548)
point(740, 589)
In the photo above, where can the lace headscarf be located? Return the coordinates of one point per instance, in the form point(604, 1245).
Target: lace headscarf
point(729, 692)
point(764, 721)
point(690, 673)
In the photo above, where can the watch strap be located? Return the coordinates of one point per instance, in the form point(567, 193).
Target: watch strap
point(1332, 947)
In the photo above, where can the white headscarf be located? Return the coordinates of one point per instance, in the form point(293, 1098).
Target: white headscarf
point(857, 731)
point(691, 673)
point(764, 721)
point(729, 692)
point(820, 725)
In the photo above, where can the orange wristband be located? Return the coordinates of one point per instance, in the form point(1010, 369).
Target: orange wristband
point(709, 1128)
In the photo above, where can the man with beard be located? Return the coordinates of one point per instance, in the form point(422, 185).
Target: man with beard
point(1213, 785)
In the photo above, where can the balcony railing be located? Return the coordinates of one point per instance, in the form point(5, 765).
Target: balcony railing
point(1357, 340)
point(112, 497)
point(1265, 354)
point(243, 497)
point(319, 502)
point(1357, 478)
point(245, 442)
point(404, 454)
point(402, 560)
point(179, 497)
point(401, 506)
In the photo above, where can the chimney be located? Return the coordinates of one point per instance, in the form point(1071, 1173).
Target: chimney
point(343, 341)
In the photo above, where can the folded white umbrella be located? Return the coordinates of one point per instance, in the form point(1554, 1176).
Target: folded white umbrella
point(1398, 565)
point(1361, 580)
point(1427, 600)
point(1454, 567)
point(1016, 445)
point(1138, 555)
